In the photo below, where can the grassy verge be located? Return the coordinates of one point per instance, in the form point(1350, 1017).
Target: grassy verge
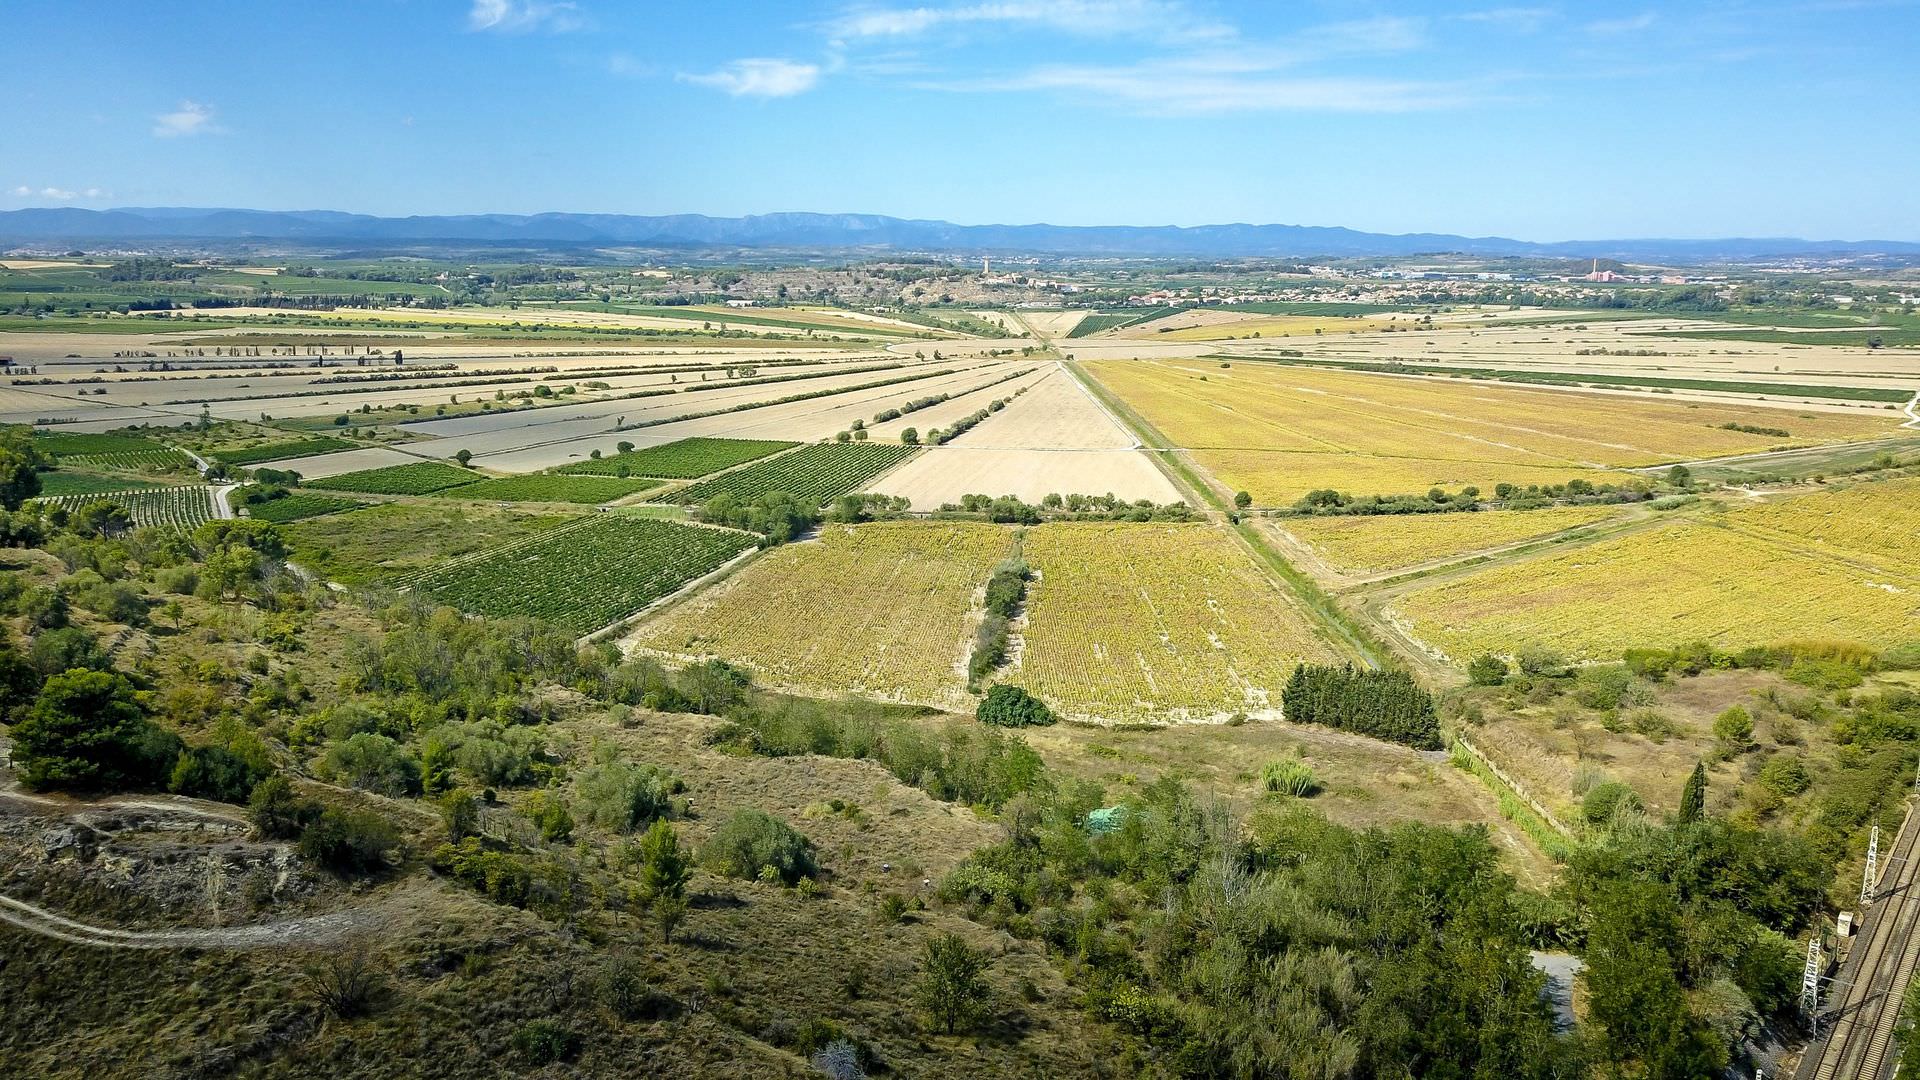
point(1513, 807)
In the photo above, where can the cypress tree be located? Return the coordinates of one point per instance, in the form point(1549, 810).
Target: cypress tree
point(1693, 797)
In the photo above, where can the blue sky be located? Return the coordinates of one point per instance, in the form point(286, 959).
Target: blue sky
point(1534, 120)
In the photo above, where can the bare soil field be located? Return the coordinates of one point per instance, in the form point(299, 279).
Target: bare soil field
point(1055, 414)
point(321, 466)
point(945, 473)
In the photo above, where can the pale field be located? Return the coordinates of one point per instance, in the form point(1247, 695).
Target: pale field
point(1155, 622)
point(1556, 347)
point(1383, 434)
point(883, 610)
point(470, 318)
point(1366, 545)
point(945, 413)
point(942, 474)
point(1053, 323)
point(1718, 580)
point(321, 466)
point(834, 318)
point(1261, 326)
point(1056, 413)
point(998, 318)
point(572, 438)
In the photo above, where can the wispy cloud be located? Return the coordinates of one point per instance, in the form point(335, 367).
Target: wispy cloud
point(525, 16)
point(760, 77)
point(58, 194)
point(1177, 89)
point(1167, 20)
point(189, 118)
point(1631, 24)
point(1523, 19)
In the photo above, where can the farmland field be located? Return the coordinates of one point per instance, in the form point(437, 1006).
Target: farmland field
point(276, 451)
point(68, 444)
point(180, 507)
point(418, 478)
point(586, 575)
point(68, 482)
point(1749, 577)
point(548, 487)
point(1148, 621)
point(299, 506)
point(1370, 544)
point(816, 473)
point(684, 459)
point(881, 609)
point(1278, 432)
point(385, 542)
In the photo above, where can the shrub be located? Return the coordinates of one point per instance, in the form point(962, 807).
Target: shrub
point(1010, 706)
point(344, 982)
point(349, 841)
point(753, 841)
point(544, 1042)
point(373, 763)
point(1487, 670)
point(1734, 728)
point(1785, 775)
point(1608, 803)
point(622, 797)
point(276, 812)
point(1289, 776)
point(214, 772)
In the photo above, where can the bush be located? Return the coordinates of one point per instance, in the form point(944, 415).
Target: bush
point(1608, 803)
point(544, 1042)
point(753, 841)
point(1487, 670)
point(1785, 775)
point(1289, 776)
point(1734, 728)
point(214, 772)
point(1010, 706)
point(373, 763)
point(622, 797)
point(349, 841)
point(276, 812)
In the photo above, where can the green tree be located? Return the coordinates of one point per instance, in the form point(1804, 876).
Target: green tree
point(665, 868)
point(19, 479)
point(1693, 796)
point(951, 988)
point(1010, 706)
point(87, 730)
point(1242, 499)
point(463, 456)
point(1487, 670)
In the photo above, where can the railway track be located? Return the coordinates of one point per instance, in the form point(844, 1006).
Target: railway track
point(1858, 1044)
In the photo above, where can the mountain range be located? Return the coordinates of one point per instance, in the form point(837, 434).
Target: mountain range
point(183, 226)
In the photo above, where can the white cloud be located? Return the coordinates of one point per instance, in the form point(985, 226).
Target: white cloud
point(1167, 20)
point(57, 194)
point(1629, 25)
point(1523, 19)
point(760, 77)
point(191, 118)
point(1181, 89)
point(525, 16)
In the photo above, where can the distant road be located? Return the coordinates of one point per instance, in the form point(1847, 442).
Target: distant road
point(1858, 1044)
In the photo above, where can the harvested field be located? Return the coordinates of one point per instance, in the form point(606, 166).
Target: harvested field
point(1362, 544)
point(1382, 434)
point(1744, 578)
point(945, 473)
point(882, 610)
point(345, 461)
point(1156, 622)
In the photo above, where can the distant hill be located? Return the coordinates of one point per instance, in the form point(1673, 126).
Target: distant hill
point(853, 231)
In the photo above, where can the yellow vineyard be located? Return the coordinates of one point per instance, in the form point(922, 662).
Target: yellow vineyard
point(1725, 580)
point(1365, 545)
point(1397, 429)
point(881, 610)
point(1280, 478)
point(1138, 621)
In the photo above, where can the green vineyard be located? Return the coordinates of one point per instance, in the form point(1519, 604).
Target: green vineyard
point(813, 473)
point(180, 507)
point(278, 451)
point(549, 487)
point(685, 459)
point(419, 478)
point(299, 506)
point(585, 576)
